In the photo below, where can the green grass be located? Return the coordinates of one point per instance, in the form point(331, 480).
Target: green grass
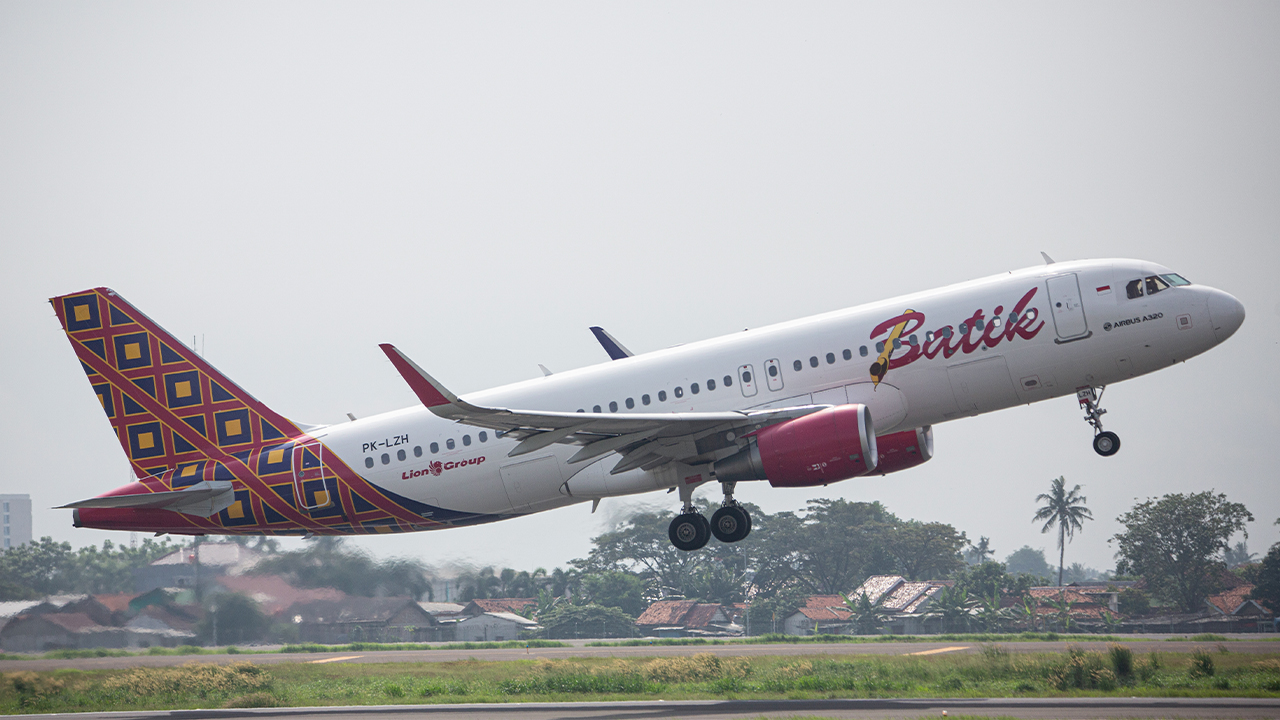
point(992, 673)
point(370, 647)
point(771, 638)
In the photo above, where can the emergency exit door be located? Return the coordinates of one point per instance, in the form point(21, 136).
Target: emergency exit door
point(1068, 310)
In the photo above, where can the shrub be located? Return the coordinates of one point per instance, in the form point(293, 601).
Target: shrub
point(1121, 661)
point(1201, 664)
point(253, 700)
point(695, 668)
point(201, 679)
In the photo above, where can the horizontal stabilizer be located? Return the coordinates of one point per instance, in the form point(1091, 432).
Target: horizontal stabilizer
point(205, 498)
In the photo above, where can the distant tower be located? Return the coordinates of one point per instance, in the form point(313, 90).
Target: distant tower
point(15, 520)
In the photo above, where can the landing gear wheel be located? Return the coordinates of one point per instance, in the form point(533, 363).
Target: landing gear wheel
point(689, 531)
point(730, 524)
point(1106, 444)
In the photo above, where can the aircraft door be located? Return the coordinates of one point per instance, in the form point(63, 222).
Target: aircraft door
point(773, 374)
point(1068, 311)
point(311, 488)
point(532, 481)
point(747, 380)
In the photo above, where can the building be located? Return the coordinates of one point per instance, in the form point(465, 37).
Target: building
point(683, 618)
point(362, 619)
point(903, 606)
point(491, 627)
point(515, 606)
point(820, 615)
point(195, 566)
point(15, 520)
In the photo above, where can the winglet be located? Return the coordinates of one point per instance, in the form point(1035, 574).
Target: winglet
point(429, 391)
point(611, 346)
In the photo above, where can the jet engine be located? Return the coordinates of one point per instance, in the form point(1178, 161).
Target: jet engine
point(820, 448)
point(906, 449)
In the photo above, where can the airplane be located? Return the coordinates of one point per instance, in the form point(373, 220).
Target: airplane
point(803, 403)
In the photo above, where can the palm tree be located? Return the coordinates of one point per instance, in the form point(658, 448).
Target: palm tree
point(1064, 509)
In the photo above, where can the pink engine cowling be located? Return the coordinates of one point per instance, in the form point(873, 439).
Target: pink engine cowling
point(824, 447)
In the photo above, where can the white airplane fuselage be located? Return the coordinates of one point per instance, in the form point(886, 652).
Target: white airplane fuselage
point(1015, 338)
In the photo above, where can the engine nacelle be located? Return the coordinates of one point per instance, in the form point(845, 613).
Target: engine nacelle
point(820, 448)
point(906, 449)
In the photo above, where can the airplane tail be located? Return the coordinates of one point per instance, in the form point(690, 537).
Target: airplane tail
point(168, 407)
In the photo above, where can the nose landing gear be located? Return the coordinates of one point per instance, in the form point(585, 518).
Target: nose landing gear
point(1105, 443)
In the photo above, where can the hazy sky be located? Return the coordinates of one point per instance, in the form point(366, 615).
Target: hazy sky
point(295, 182)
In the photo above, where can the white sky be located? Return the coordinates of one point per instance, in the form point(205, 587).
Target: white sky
point(480, 182)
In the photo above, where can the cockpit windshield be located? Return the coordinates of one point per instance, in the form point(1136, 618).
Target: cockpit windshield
point(1153, 284)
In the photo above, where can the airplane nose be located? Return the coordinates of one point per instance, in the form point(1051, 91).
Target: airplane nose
point(1226, 313)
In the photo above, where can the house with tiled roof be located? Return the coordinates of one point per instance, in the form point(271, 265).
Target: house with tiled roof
point(1236, 603)
point(273, 593)
point(682, 618)
point(517, 606)
point(59, 631)
point(904, 605)
point(354, 619)
point(820, 614)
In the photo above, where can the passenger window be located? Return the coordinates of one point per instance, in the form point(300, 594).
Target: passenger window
point(746, 377)
point(964, 328)
point(946, 332)
point(880, 346)
point(435, 448)
point(417, 451)
point(848, 354)
point(897, 343)
point(693, 388)
point(466, 440)
point(1155, 285)
point(630, 403)
point(862, 351)
point(679, 391)
point(928, 336)
point(981, 325)
point(813, 361)
point(484, 437)
point(662, 396)
point(613, 406)
point(831, 358)
point(400, 455)
point(386, 459)
point(773, 369)
point(450, 444)
point(595, 408)
point(644, 399)
point(728, 381)
point(797, 365)
point(1013, 317)
point(711, 384)
point(913, 340)
point(1133, 289)
point(368, 462)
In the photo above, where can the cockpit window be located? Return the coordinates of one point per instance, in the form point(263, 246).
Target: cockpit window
point(1174, 279)
point(1155, 285)
point(1134, 289)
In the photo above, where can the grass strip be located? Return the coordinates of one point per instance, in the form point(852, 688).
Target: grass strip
point(994, 672)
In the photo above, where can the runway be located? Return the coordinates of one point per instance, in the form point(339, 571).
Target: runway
point(1147, 644)
point(1031, 708)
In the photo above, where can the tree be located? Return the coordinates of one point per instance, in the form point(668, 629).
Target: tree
point(954, 606)
point(237, 619)
point(866, 617)
point(1029, 561)
point(613, 588)
point(926, 551)
point(980, 553)
point(1238, 555)
point(1176, 544)
point(326, 563)
point(1267, 589)
point(1064, 509)
point(575, 621)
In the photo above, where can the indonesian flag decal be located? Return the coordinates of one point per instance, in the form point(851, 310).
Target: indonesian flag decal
point(1104, 290)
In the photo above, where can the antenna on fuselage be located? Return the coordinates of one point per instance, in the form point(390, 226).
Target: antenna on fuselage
point(1047, 260)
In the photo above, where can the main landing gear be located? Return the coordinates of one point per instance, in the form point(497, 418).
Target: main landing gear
point(690, 529)
point(1105, 443)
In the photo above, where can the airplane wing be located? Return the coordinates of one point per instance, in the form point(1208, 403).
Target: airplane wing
point(645, 440)
point(610, 344)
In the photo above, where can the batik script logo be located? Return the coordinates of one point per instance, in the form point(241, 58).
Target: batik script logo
point(1022, 322)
